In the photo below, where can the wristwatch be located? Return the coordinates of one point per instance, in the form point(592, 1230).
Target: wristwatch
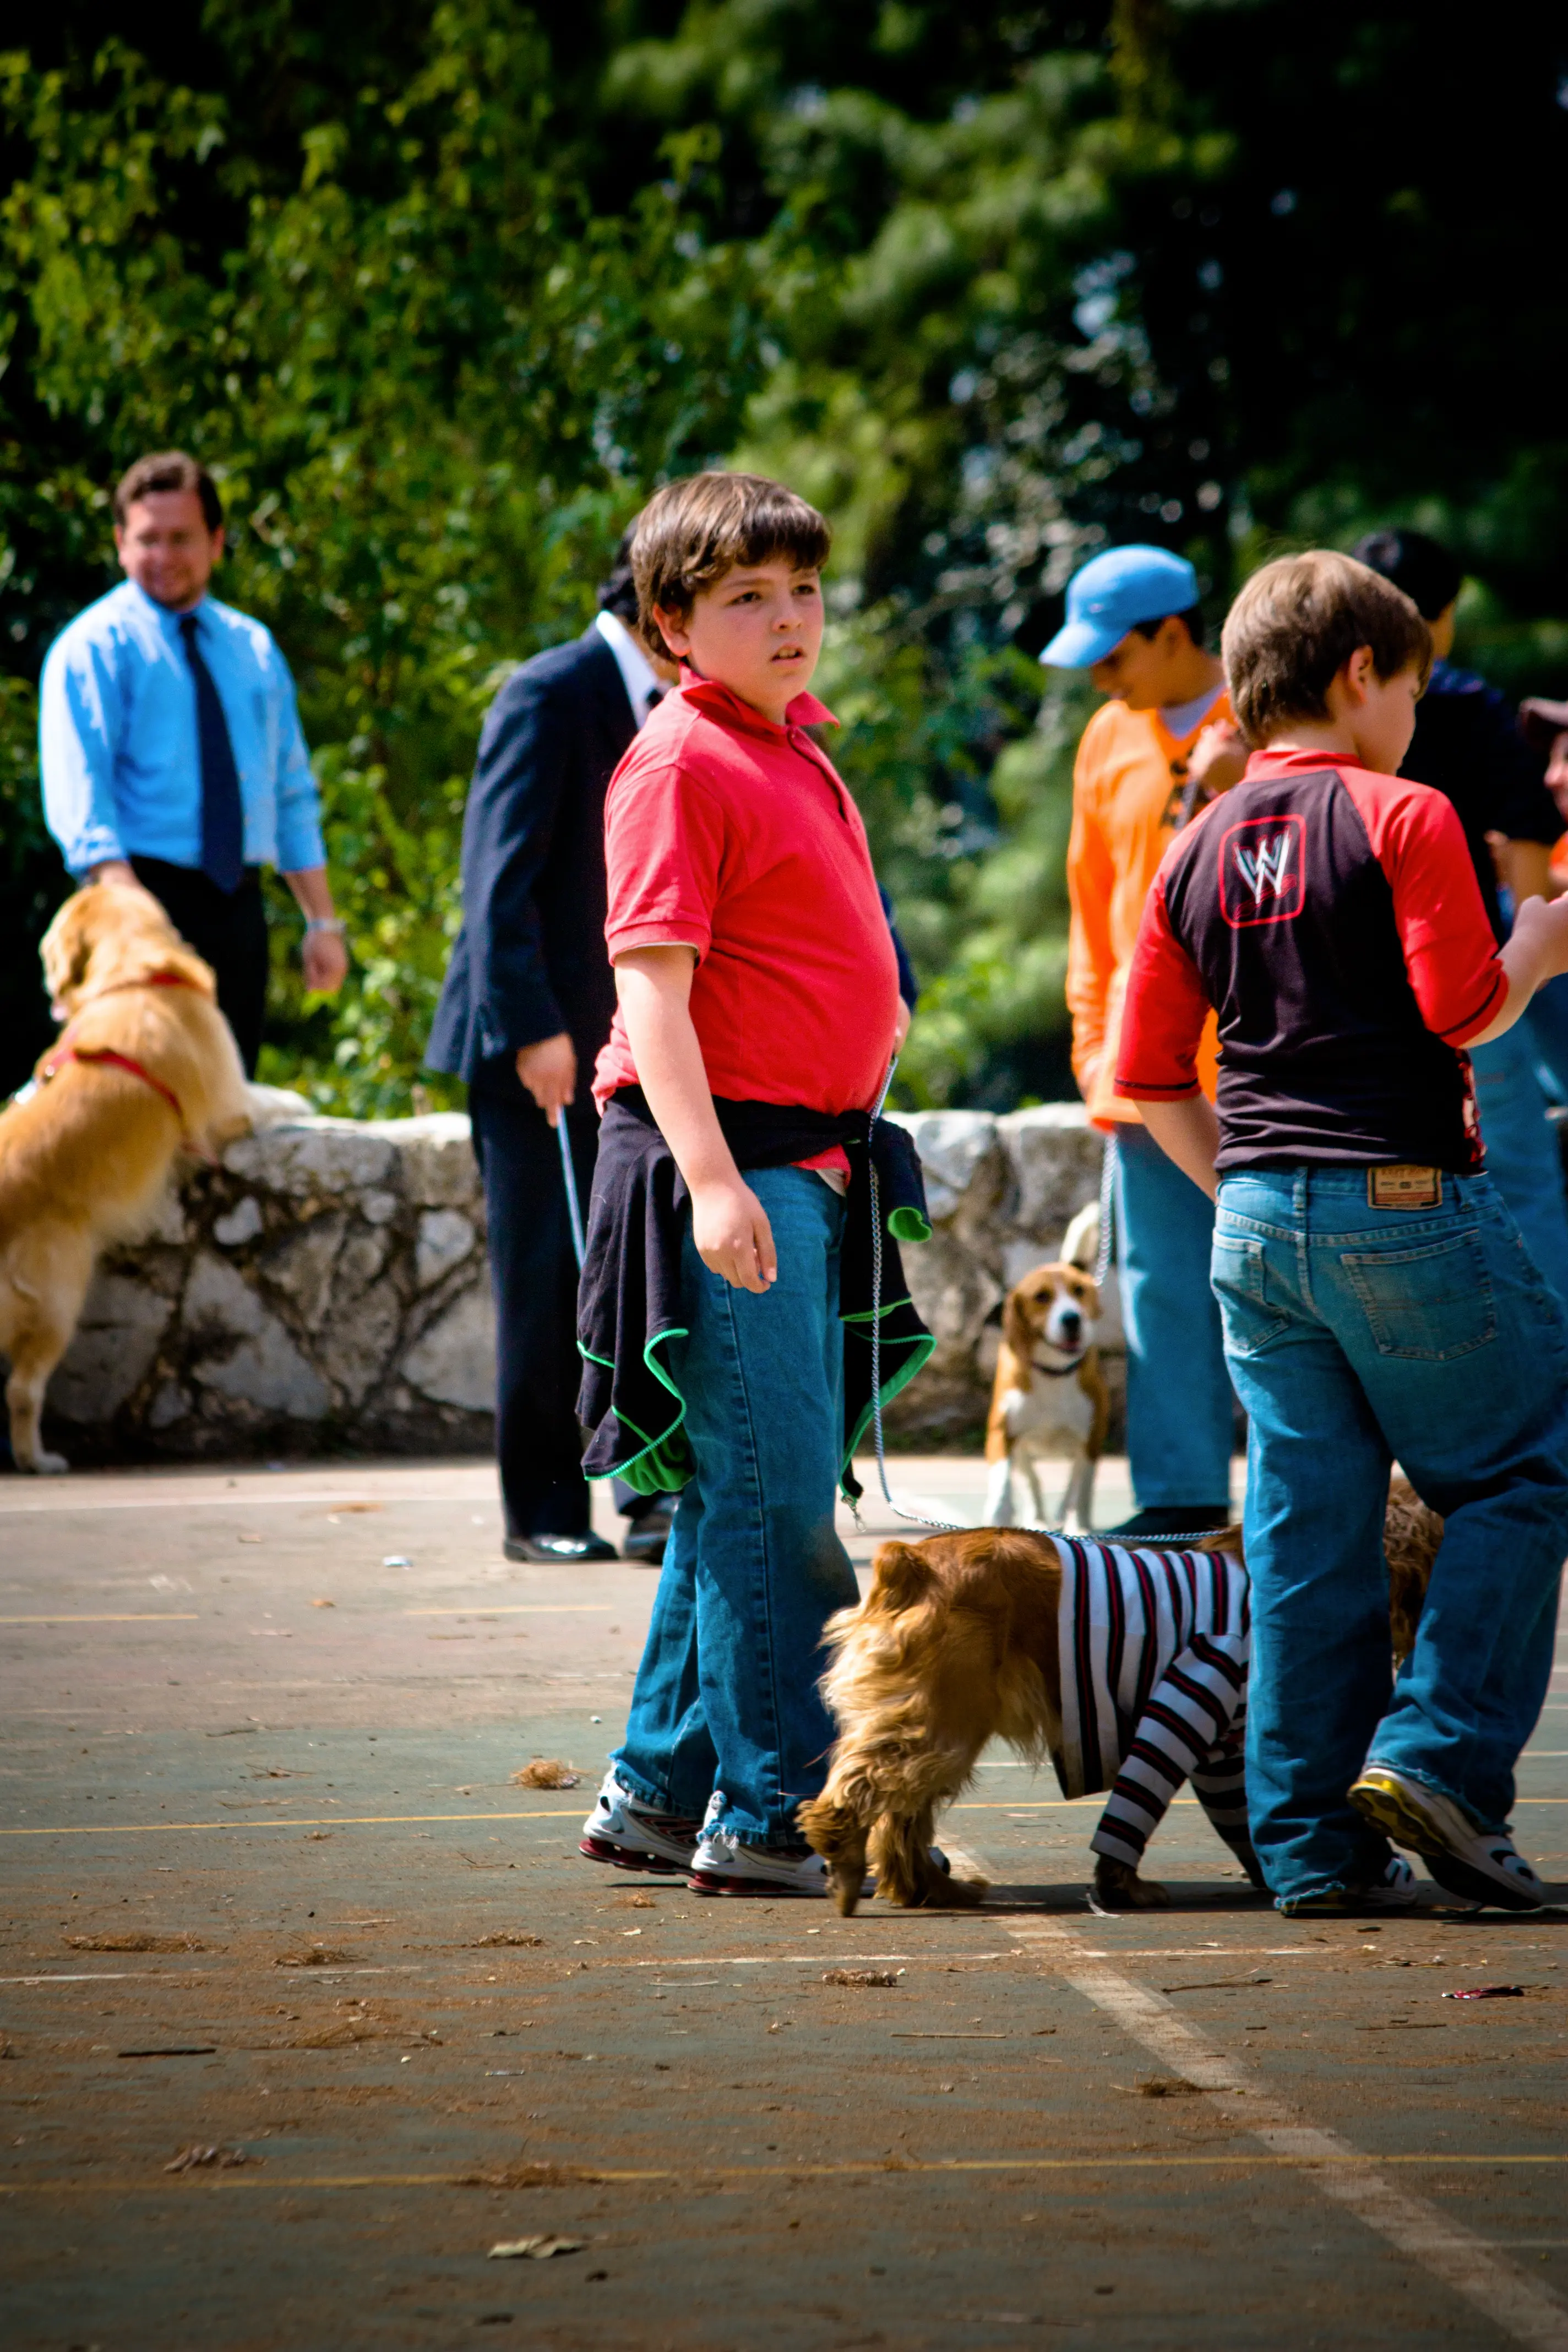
point(326, 923)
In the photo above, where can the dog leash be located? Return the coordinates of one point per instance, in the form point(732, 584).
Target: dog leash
point(918, 1518)
point(915, 1518)
point(569, 1176)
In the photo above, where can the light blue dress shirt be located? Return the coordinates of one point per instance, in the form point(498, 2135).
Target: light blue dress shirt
point(118, 746)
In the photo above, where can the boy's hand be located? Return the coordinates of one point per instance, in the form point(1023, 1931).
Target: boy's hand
point(733, 1237)
point(1218, 758)
point(1542, 926)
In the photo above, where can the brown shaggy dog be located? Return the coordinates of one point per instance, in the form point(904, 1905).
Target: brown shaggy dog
point(147, 1064)
point(956, 1644)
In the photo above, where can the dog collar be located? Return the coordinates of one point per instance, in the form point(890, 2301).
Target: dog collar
point(1057, 1372)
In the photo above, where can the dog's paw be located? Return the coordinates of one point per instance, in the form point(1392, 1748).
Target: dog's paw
point(952, 1894)
point(42, 1464)
point(1118, 1888)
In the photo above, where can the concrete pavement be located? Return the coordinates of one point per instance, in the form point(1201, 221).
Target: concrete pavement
point(270, 1890)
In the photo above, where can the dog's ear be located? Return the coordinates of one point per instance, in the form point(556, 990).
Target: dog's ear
point(900, 1574)
point(1017, 1328)
point(67, 947)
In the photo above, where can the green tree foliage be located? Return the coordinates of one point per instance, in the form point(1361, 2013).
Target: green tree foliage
point(445, 290)
point(433, 382)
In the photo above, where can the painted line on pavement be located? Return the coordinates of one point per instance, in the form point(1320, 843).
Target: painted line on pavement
point(587, 2175)
point(1461, 2261)
point(522, 1608)
point(110, 1617)
point(326, 1822)
point(394, 1821)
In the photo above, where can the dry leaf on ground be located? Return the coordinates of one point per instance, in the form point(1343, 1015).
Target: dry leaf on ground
point(546, 1772)
point(536, 2250)
point(510, 1938)
point(319, 1956)
point(862, 1976)
point(196, 2157)
point(528, 2176)
point(135, 1941)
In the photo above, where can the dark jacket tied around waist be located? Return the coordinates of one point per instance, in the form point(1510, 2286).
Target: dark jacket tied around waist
point(629, 1306)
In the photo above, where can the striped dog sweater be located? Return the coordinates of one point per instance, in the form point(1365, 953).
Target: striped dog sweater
point(1154, 1648)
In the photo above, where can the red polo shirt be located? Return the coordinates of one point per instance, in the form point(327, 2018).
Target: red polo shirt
point(729, 834)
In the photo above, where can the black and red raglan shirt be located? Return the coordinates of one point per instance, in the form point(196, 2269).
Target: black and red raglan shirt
point(1331, 917)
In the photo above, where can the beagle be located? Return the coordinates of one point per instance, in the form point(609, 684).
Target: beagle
point(1049, 1400)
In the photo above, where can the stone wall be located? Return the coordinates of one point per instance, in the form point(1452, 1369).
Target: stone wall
point(326, 1290)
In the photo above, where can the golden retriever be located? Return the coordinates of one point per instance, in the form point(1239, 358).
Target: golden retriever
point(1049, 1399)
point(146, 1065)
point(957, 1644)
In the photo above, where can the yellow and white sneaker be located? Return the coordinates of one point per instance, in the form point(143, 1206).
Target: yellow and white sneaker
point(1482, 1865)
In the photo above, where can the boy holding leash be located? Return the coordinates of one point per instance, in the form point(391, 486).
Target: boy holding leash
point(729, 1243)
point(1377, 1301)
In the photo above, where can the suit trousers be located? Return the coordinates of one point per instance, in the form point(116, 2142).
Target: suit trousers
point(227, 930)
point(539, 1443)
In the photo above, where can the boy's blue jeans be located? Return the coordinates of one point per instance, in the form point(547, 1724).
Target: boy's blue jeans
point(1180, 1420)
point(1522, 1156)
point(1357, 1337)
point(726, 1695)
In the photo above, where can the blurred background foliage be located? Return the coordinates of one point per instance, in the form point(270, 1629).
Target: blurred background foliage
point(442, 290)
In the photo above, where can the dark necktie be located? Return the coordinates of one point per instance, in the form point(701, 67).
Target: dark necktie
point(222, 816)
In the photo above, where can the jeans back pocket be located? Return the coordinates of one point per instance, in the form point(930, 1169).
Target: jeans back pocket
point(1430, 1304)
point(1239, 1273)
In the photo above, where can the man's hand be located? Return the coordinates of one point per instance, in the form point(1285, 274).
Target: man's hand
point(120, 871)
point(733, 1237)
point(324, 960)
point(549, 1070)
point(1217, 760)
point(901, 1026)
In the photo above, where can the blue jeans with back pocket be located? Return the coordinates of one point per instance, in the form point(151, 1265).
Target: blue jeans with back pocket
point(1358, 1337)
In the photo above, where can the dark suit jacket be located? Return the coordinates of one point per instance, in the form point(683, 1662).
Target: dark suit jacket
point(530, 960)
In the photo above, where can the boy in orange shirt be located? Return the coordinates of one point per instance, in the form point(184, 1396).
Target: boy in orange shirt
point(1165, 743)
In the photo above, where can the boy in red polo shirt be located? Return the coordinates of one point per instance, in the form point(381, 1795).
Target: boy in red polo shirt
point(759, 1009)
point(1377, 1301)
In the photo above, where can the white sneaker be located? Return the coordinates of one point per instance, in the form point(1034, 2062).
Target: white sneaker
point(631, 1835)
point(1482, 1865)
point(1395, 1890)
point(724, 1865)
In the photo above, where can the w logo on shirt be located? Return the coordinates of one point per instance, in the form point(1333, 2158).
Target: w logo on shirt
point(1262, 870)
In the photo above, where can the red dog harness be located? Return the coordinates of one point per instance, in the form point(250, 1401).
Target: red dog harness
point(66, 1051)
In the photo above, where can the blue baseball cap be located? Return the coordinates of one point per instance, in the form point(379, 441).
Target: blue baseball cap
point(1111, 595)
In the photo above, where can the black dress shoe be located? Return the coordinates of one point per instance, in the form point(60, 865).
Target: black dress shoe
point(645, 1538)
point(1200, 1519)
point(558, 1550)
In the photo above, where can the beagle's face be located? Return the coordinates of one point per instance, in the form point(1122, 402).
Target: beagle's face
point(1056, 1307)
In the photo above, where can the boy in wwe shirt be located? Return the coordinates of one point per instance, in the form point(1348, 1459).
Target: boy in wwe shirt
point(1377, 1301)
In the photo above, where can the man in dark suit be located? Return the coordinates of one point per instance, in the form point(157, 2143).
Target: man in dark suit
point(528, 1002)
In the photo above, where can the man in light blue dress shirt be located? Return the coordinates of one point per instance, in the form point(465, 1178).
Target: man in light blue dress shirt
point(170, 750)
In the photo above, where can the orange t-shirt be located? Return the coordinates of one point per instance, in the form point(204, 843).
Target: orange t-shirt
point(1127, 783)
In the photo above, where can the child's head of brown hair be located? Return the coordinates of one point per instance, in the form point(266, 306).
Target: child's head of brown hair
point(1295, 625)
point(692, 532)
